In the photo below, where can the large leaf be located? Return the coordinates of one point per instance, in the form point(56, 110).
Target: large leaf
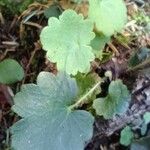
point(126, 136)
point(67, 41)
point(10, 71)
point(47, 122)
point(116, 102)
point(109, 16)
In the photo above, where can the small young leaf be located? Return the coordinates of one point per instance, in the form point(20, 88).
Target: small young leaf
point(126, 136)
point(67, 41)
point(116, 102)
point(47, 122)
point(98, 44)
point(147, 117)
point(52, 11)
point(143, 129)
point(10, 71)
point(109, 16)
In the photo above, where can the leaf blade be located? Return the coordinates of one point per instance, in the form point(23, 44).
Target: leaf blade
point(51, 123)
point(109, 16)
point(68, 42)
point(126, 136)
point(10, 71)
point(116, 102)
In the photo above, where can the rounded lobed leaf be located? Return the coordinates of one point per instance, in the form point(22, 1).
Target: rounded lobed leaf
point(67, 41)
point(116, 102)
point(10, 71)
point(126, 136)
point(109, 16)
point(47, 122)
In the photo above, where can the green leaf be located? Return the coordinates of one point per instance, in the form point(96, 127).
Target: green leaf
point(116, 102)
point(146, 117)
point(147, 28)
point(139, 56)
point(77, 1)
point(140, 60)
point(85, 82)
point(47, 122)
point(126, 136)
point(143, 129)
point(67, 41)
point(10, 71)
point(52, 11)
point(142, 144)
point(109, 16)
point(98, 44)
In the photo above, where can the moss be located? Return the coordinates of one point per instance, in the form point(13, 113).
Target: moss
point(16, 6)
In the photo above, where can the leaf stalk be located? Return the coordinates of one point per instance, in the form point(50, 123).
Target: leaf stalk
point(84, 99)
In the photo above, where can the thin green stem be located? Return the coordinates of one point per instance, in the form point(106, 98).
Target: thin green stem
point(84, 99)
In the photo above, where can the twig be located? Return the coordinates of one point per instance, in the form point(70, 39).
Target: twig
point(2, 19)
point(113, 48)
point(13, 23)
point(33, 24)
point(142, 88)
point(5, 53)
point(37, 47)
point(10, 43)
